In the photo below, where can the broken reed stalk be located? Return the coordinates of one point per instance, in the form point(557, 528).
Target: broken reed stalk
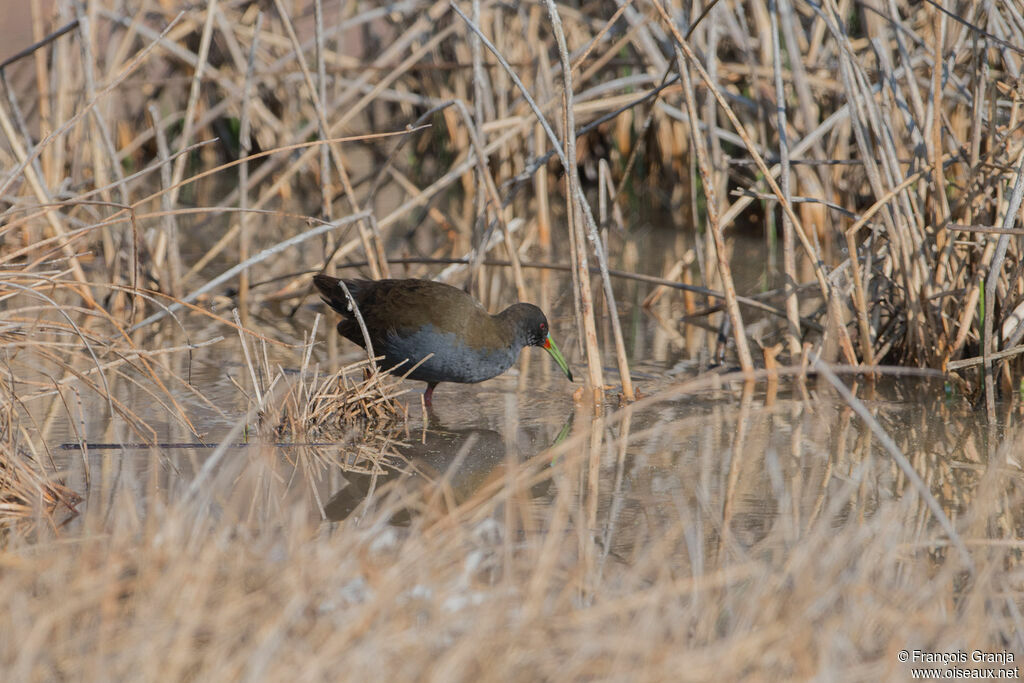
point(995, 271)
point(245, 149)
point(480, 208)
point(793, 335)
point(193, 95)
point(574, 212)
point(170, 223)
point(106, 155)
point(714, 226)
point(326, 205)
point(488, 193)
point(595, 240)
point(354, 307)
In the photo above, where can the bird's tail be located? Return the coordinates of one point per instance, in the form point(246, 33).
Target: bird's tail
point(332, 293)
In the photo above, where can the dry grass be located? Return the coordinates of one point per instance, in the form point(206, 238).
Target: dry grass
point(163, 167)
point(819, 563)
point(348, 418)
point(895, 139)
point(308, 405)
point(29, 493)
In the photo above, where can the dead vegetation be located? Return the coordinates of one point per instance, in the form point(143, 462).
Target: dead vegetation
point(695, 560)
point(167, 164)
point(878, 148)
point(891, 138)
point(307, 405)
point(29, 491)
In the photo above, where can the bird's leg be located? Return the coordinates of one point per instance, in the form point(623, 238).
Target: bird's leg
point(429, 393)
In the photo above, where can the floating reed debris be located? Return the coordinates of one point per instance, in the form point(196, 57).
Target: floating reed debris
point(355, 394)
point(27, 491)
point(314, 406)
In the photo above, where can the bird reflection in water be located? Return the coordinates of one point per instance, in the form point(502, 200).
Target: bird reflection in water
point(444, 467)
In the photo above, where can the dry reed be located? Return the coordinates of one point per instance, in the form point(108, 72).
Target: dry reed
point(311, 406)
point(885, 141)
point(896, 225)
point(583, 562)
point(29, 492)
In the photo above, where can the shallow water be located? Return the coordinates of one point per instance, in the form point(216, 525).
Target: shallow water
point(756, 455)
point(753, 449)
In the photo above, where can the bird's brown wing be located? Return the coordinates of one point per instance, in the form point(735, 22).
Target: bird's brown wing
point(405, 306)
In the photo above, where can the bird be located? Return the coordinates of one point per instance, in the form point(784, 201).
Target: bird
point(438, 331)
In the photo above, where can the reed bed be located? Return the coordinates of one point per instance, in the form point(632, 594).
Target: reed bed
point(876, 148)
point(173, 174)
point(879, 146)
